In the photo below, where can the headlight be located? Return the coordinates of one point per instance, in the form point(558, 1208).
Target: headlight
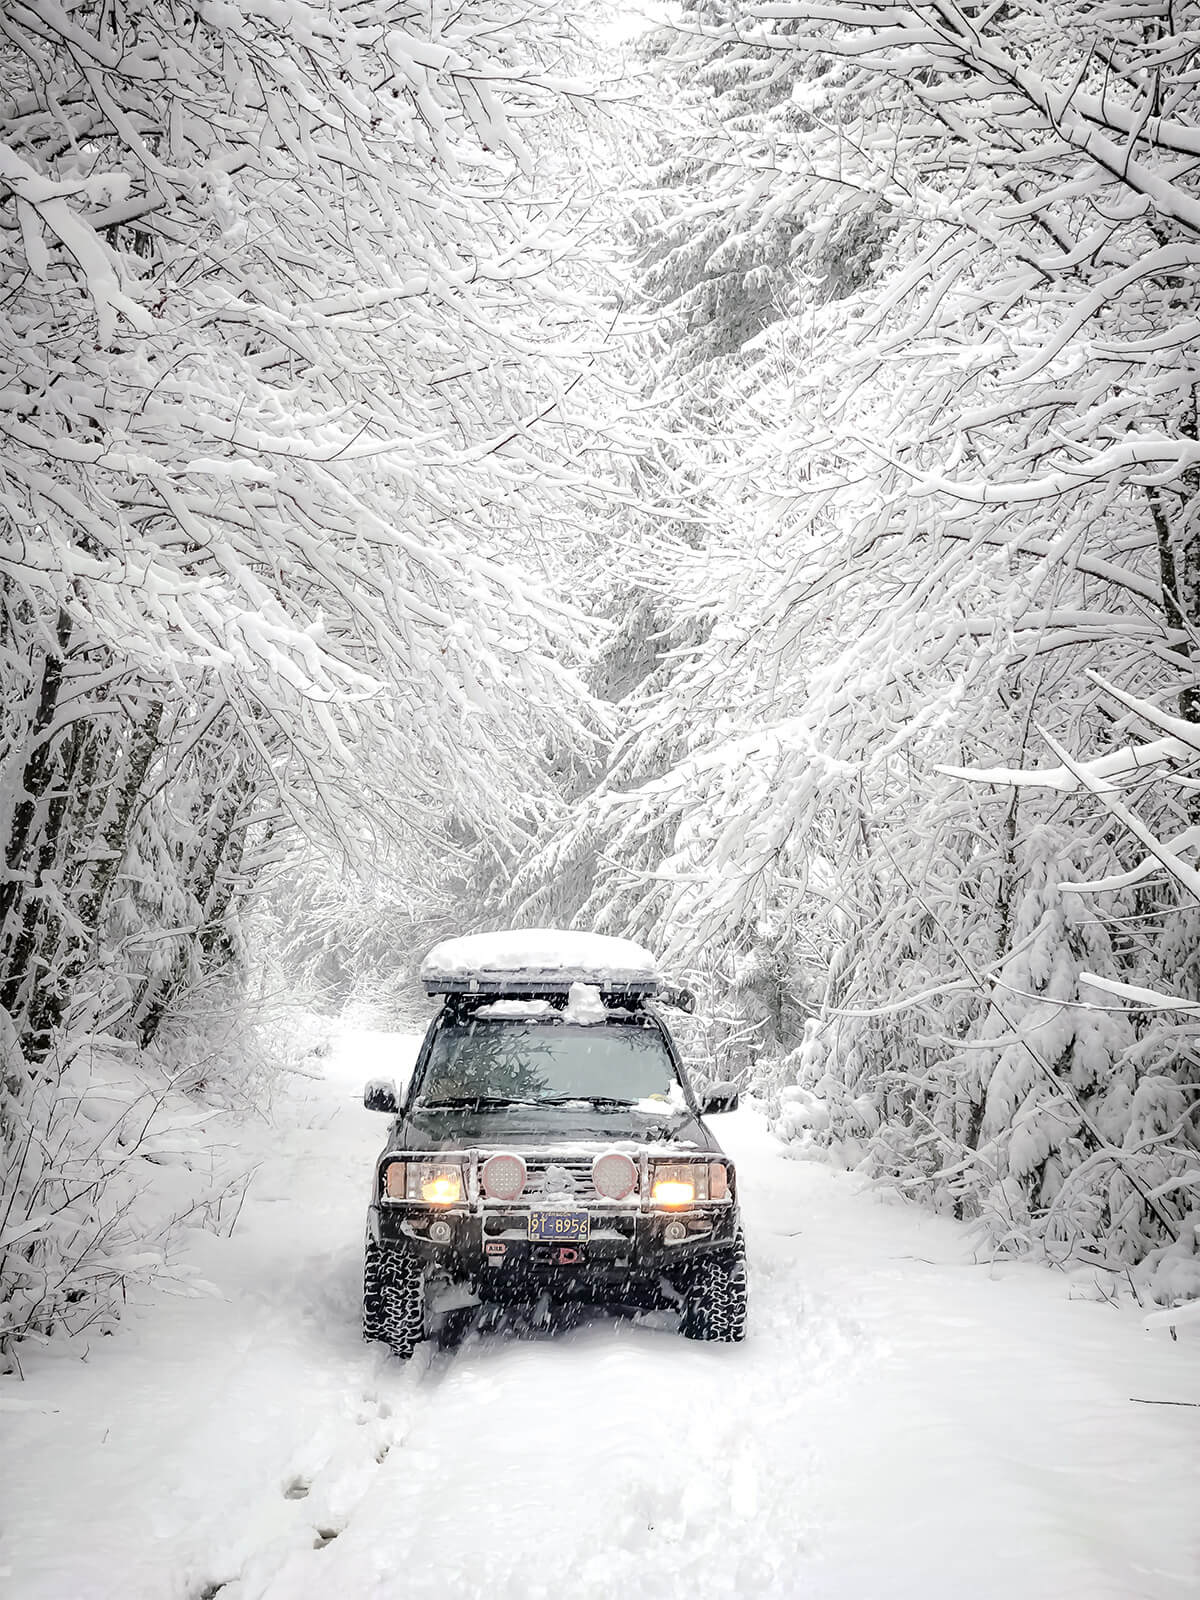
point(681, 1183)
point(678, 1183)
point(436, 1183)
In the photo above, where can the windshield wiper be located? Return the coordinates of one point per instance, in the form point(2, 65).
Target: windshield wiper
point(457, 1101)
point(586, 1099)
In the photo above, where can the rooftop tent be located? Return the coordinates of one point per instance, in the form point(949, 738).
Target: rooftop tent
point(528, 961)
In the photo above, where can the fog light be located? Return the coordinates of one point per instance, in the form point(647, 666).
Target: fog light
point(440, 1231)
point(614, 1175)
point(502, 1176)
point(674, 1232)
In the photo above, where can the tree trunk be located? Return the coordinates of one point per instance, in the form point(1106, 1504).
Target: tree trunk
point(212, 886)
point(39, 768)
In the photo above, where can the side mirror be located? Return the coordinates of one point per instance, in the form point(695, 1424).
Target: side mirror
point(380, 1095)
point(681, 999)
point(721, 1097)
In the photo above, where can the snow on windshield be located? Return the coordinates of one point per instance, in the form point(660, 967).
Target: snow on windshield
point(524, 1059)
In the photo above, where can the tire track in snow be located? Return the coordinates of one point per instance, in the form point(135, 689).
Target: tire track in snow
point(610, 1457)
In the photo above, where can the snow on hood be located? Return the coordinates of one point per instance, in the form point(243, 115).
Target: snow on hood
point(576, 1128)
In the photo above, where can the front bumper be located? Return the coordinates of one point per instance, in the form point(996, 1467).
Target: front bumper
point(492, 1248)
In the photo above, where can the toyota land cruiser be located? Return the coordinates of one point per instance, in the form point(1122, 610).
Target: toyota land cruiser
point(549, 1144)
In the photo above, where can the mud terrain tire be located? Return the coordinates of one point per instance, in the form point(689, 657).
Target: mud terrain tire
point(372, 1308)
point(402, 1302)
point(714, 1306)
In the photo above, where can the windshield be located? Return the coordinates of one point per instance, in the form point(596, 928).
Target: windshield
point(491, 1059)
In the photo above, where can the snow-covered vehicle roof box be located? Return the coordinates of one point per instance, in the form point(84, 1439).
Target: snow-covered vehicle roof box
point(539, 961)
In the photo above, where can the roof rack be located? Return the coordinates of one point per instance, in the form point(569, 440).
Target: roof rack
point(489, 988)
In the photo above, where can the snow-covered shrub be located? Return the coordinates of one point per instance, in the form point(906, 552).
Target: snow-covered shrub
point(1171, 1273)
point(107, 1154)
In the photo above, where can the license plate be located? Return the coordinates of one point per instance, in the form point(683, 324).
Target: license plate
point(559, 1227)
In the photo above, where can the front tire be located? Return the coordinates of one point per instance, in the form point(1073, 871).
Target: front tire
point(372, 1310)
point(715, 1299)
point(402, 1300)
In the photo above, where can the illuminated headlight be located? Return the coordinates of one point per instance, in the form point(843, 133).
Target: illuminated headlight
point(436, 1183)
point(681, 1183)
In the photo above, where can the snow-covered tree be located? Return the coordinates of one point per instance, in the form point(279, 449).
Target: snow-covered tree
point(950, 472)
point(292, 329)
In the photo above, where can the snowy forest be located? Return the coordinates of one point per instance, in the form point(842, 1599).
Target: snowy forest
point(730, 480)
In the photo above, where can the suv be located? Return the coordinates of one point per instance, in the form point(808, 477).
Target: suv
point(549, 1144)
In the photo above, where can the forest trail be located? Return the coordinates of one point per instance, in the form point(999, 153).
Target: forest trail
point(903, 1420)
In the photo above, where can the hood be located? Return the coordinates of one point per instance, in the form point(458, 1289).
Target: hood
point(523, 1125)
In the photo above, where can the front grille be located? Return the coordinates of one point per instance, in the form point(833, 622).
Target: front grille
point(559, 1179)
point(567, 1175)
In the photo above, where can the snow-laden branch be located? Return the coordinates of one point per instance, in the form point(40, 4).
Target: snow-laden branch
point(1142, 999)
point(300, 450)
point(925, 371)
point(1154, 461)
point(1109, 773)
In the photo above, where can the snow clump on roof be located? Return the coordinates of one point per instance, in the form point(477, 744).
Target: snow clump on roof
point(558, 955)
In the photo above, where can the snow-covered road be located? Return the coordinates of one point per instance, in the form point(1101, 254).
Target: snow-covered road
point(902, 1421)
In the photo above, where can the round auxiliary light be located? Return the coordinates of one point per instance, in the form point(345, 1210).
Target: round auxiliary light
point(502, 1177)
point(440, 1231)
point(614, 1175)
